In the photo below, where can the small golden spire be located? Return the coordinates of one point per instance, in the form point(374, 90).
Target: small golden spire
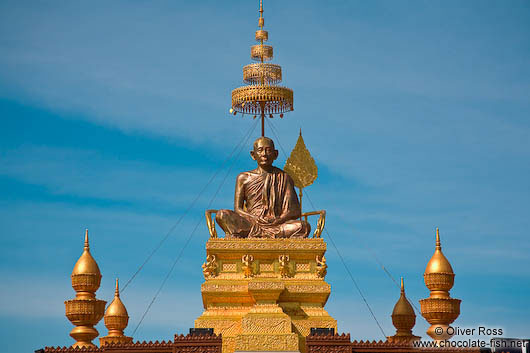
point(116, 320)
point(438, 262)
point(85, 310)
point(403, 319)
point(439, 309)
point(86, 265)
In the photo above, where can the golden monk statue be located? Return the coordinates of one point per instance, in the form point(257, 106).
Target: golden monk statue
point(265, 202)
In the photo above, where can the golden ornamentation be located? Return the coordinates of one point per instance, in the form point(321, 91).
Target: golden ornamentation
point(322, 268)
point(300, 165)
point(285, 271)
point(209, 268)
point(265, 305)
point(273, 99)
point(262, 97)
point(267, 324)
point(303, 170)
point(267, 343)
point(304, 288)
point(320, 223)
point(85, 310)
point(403, 319)
point(116, 320)
point(230, 267)
point(440, 310)
point(262, 35)
point(222, 245)
point(261, 52)
point(303, 267)
point(266, 267)
point(210, 222)
point(248, 268)
point(269, 73)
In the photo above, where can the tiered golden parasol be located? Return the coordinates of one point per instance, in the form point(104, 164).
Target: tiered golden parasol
point(262, 96)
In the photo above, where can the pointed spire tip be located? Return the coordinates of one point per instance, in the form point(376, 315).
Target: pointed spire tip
point(87, 246)
point(117, 290)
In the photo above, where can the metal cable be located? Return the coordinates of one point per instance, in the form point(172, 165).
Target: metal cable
point(195, 228)
point(335, 246)
point(245, 137)
point(383, 267)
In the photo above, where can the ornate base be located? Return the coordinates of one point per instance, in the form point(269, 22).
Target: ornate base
point(264, 295)
point(114, 340)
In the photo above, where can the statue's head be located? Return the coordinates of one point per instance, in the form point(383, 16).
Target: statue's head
point(264, 152)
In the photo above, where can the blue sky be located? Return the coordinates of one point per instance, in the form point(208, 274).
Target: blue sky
point(115, 115)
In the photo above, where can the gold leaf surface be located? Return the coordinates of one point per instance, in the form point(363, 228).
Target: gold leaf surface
point(300, 165)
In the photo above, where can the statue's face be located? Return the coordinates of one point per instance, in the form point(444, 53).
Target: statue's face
point(264, 153)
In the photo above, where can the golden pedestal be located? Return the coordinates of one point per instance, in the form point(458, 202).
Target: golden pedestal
point(265, 294)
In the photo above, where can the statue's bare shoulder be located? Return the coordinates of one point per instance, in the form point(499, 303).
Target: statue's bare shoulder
point(243, 177)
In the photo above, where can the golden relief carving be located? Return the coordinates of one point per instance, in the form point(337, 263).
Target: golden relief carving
point(321, 266)
point(226, 327)
point(285, 270)
point(222, 287)
point(259, 285)
point(209, 268)
point(265, 244)
point(273, 342)
point(266, 325)
point(248, 268)
point(304, 326)
point(308, 288)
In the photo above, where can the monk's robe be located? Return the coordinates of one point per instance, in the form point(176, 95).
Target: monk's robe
point(266, 195)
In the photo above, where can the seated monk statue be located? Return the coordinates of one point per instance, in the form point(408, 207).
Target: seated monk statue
point(265, 202)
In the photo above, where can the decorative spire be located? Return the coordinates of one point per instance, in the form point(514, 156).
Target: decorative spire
point(403, 319)
point(85, 310)
point(262, 96)
point(439, 309)
point(116, 320)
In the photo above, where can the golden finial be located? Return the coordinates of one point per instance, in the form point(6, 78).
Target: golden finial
point(262, 96)
point(87, 246)
point(117, 289)
point(261, 21)
point(439, 309)
point(116, 320)
point(301, 166)
point(86, 265)
point(438, 262)
point(403, 319)
point(85, 310)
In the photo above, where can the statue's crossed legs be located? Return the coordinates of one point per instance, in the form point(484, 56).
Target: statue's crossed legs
point(236, 225)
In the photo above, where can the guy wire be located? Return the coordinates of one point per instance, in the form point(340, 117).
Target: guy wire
point(335, 246)
point(195, 228)
point(245, 137)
